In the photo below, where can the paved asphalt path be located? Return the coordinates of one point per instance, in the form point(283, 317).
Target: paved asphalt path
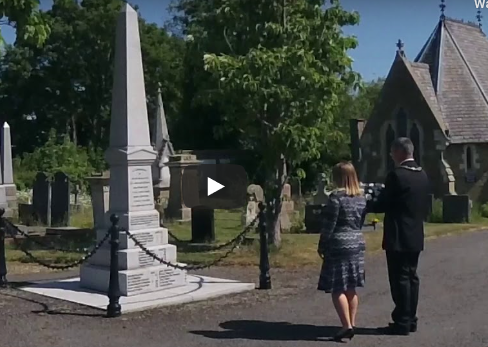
point(453, 310)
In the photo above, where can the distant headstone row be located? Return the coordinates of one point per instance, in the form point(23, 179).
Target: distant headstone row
point(51, 199)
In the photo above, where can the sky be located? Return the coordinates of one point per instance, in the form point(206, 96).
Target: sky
point(383, 23)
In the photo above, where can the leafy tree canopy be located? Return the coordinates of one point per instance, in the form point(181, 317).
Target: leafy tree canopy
point(66, 84)
point(281, 74)
point(24, 16)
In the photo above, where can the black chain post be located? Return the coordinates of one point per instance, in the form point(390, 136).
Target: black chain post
point(264, 277)
point(3, 261)
point(114, 309)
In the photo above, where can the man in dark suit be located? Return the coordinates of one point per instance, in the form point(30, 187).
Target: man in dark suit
point(404, 202)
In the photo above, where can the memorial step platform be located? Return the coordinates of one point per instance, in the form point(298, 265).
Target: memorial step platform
point(197, 288)
point(130, 259)
point(147, 237)
point(133, 282)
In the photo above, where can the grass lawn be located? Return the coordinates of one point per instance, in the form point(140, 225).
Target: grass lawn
point(297, 250)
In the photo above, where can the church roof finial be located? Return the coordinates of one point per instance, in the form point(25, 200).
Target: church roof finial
point(400, 47)
point(443, 8)
point(479, 17)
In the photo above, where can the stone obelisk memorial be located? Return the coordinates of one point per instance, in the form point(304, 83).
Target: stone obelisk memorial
point(131, 157)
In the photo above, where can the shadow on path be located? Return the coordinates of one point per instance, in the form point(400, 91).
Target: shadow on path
point(46, 310)
point(276, 331)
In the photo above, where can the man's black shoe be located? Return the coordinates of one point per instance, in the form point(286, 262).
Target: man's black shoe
point(413, 328)
point(394, 329)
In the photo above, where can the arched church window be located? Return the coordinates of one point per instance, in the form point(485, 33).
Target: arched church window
point(415, 137)
point(389, 138)
point(401, 123)
point(469, 158)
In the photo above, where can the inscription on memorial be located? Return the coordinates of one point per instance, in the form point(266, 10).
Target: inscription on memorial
point(166, 277)
point(137, 283)
point(141, 188)
point(147, 260)
point(144, 221)
point(145, 238)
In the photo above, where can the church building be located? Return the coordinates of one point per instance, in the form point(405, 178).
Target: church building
point(440, 101)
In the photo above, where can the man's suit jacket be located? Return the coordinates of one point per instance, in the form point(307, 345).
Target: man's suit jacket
point(404, 202)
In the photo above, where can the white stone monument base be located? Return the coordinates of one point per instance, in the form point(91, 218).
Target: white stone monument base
point(147, 237)
point(198, 288)
point(133, 282)
point(130, 259)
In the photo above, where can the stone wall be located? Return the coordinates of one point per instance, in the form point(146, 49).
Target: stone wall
point(470, 171)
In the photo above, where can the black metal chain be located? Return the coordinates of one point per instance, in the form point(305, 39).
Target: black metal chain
point(42, 244)
point(174, 237)
point(224, 245)
point(80, 261)
point(235, 241)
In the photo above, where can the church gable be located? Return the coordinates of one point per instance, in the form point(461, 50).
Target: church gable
point(407, 107)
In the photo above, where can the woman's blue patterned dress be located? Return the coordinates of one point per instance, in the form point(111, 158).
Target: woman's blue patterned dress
point(342, 243)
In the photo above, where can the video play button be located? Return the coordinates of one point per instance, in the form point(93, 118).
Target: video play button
point(213, 186)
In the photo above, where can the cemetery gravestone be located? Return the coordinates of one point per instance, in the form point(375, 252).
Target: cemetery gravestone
point(202, 225)
point(7, 169)
point(255, 195)
point(287, 208)
point(320, 197)
point(177, 165)
point(100, 193)
point(313, 218)
point(41, 199)
point(314, 212)
point(456, 209)
point(60, 200)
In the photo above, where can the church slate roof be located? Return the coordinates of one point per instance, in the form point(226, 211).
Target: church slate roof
point(455, 56)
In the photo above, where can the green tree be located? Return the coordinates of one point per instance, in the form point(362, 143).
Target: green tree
point(359, 104)
point(66, 84)
point(57, 154)
point(281, 76)
point(23, 15)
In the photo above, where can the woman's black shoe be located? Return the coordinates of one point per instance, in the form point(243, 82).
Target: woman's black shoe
point(344, 334)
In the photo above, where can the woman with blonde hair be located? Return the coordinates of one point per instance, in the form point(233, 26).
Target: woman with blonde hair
point(342, 246)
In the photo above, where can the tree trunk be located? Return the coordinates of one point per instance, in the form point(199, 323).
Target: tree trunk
point(273, 195)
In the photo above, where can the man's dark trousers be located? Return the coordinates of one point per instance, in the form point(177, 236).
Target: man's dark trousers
point(404, 286)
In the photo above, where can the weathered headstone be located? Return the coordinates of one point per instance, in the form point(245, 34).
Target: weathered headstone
point(255, 195)
point(60, 200)
point(287, 208)
point(313, 218)
point(100, 193)
point(131, 156)
point(202, 224)
point(177, 164)
point(456, 209)
point(314, 212)
point(41, 198)
point(320, 197)
point(7, 168)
